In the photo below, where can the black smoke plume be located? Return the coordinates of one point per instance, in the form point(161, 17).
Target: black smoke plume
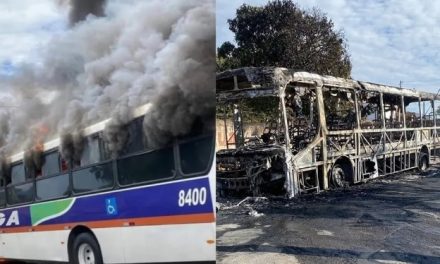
point(80, 9)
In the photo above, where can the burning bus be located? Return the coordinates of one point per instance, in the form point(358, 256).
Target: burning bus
point(68, 198)
point(317, 132)
point(107, 147)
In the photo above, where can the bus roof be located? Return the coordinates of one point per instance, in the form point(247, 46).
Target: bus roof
point(90, 130)
point(255, 80)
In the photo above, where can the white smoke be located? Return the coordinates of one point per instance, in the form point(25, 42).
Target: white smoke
point(159, 52)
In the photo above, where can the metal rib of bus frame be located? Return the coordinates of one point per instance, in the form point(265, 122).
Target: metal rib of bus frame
point(329, 147)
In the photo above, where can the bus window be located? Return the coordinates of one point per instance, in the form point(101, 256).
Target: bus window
point(195, 155)
point(6, 177)
point(17, 173)
point(91, 151)
point(22, 193)
point(152, 166)
point(340, 110)
point(2, 188)
point(135, 141)
point(2, 179)
point(52, 187)
point(427, 114)
point(393, 111)
point(51, 163)
point(412, 112)
point(93, 178)
point(2, 197)
point(437, 113)
point(370, 111)
point(64, 165)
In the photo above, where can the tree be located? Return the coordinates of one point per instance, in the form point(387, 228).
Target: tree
point(225, 57)
point(281, 34)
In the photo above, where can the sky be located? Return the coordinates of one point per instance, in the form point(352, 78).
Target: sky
point(388, 41)
point(25, 27)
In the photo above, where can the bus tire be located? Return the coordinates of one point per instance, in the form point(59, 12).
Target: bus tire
point(423, 162)
point(341, 175)
point(85, 250)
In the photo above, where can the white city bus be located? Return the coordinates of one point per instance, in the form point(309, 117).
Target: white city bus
point(143, 206)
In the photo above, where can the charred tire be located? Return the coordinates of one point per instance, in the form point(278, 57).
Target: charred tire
point(85, 250)
point(423, 162)
point(341, 175)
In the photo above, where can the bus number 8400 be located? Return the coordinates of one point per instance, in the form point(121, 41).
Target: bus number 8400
point(192, 197)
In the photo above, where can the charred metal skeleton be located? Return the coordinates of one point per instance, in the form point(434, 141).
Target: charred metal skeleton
point(322, 131)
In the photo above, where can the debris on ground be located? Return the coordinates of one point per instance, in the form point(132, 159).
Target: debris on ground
point(254, 213)
point(393, 219)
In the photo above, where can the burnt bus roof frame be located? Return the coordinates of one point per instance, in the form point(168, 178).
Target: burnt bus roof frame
point(250, 81)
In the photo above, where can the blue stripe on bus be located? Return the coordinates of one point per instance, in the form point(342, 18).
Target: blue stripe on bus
point(149, 201)
point(136, 202)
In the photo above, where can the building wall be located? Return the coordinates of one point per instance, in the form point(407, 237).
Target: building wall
point(250, 130)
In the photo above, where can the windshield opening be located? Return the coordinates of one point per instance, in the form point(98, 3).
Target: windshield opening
point(260, 120)
point(249, 121)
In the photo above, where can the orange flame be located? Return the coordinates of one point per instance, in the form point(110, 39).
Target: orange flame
point(38, 147)
point(40, 133)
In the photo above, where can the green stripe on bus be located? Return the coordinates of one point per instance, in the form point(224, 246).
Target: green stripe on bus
point(49, 210)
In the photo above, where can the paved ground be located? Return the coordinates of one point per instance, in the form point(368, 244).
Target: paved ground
point(391, 220)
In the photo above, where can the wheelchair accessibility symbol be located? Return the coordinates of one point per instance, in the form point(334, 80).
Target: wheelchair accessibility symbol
point(111, 206)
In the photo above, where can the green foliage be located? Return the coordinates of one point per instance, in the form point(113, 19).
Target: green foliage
point(226, 63)
point(226, 50)
point(259, 109)
point(281, 34)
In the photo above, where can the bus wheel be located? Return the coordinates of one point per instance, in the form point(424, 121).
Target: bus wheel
point(86, 250)
point(341, 175)
point(423, 162)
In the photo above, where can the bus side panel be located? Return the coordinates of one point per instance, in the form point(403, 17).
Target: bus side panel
point(165, 243)
point(161, 200)
point(49, 245)
point(110, 241)
point(181, 203)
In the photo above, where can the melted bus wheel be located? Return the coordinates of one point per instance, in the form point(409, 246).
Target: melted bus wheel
point(423, 162)
point(341, 175)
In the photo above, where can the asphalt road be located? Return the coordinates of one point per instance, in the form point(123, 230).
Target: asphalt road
point(394, 219)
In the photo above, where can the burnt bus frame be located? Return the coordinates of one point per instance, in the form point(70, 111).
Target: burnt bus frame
point(253, 82)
